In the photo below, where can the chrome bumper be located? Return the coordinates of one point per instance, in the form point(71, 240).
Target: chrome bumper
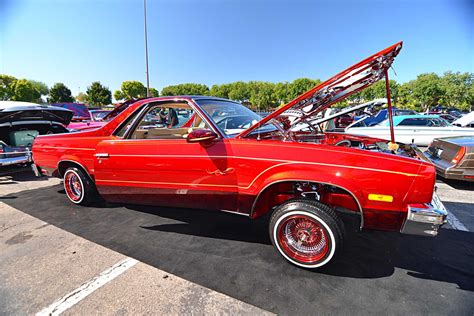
point(425, 221)
point(15, 160)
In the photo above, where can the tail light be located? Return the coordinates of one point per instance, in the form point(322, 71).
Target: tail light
point(459, 155)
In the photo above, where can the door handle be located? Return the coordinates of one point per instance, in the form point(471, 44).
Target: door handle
point(102, 155)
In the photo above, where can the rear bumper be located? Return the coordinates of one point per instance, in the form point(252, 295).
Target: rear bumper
point(426, 219)
point(8, 161)
point(447, 170)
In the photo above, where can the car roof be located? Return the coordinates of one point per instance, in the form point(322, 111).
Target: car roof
point(397, 119)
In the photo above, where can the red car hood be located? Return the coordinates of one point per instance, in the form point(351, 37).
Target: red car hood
point(337, 88)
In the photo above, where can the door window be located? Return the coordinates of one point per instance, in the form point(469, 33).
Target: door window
point(168, 121)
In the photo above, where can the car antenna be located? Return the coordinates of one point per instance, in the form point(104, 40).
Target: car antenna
point(258, 131)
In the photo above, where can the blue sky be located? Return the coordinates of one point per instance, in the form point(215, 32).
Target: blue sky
point(218, 41)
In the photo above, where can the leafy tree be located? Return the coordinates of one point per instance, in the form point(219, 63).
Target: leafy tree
point(239, 91)
point(60, 93)
point(186, 89)
point(301, 85)
point(377, 90)
point(25, 91)
point(262, 95)
point(130, 90)
point(7, 87)
point(81, 97)
point(42, 89)
point(98, 95)
point(457, 89)
point(154, 93)
point(280, 93)
point(220, 91)
point(427, 90)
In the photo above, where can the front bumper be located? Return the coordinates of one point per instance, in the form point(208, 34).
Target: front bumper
point(425, 219)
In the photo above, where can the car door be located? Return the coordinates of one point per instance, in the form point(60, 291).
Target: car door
point(164, 169)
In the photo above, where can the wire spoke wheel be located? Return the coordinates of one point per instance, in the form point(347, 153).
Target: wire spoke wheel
point(303, 238)
point(305, 232)
point(73, 186)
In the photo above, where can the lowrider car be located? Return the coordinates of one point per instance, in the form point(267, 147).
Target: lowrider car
point(417, 129)
point(21, 122)
point(304, 180)
point(453, 157)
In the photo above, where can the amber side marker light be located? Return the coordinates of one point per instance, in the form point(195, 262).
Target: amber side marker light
point(459, 156)
point(380, 197)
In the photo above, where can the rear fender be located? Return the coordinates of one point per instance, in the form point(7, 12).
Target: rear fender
point(72, 159)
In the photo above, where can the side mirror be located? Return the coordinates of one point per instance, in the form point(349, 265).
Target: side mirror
point(201, 136)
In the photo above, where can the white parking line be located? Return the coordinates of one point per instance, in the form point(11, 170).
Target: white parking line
point(74, 297)
point(455, 222)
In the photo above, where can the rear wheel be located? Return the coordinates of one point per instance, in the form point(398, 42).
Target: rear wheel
point(79, 187)
point(307, 233)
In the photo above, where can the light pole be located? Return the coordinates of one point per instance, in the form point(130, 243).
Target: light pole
point(146, 53)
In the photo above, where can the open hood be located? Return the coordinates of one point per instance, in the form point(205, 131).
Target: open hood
point(13, 112)
point(337, 88)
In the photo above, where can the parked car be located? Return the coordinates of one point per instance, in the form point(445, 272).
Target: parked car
point(465, 121)
point(307, 181)
point(21, 123)
point(453, 157)
point(448, 117)
point(98, 115)
point(382, 115)
point(417, 129)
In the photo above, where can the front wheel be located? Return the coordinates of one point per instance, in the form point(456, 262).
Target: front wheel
point(79, 187)
point(307, 233)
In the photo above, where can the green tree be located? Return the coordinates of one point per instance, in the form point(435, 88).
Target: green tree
point(25, 91)
point(154, 93)
point(7, 87)
point(130, 90)
point(427, 91)
point(185, 89)
point(301, 85)
point(262, 95)
point(41, 88)
point(280, 93)
point(98, 95)
point(457, 89)
point(239, 91)
point(60, 93)
point(220, 91)
point(81, 97)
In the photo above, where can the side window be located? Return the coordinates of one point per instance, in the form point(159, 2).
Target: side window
point(120, 132)
point(414, 122)
point(168, 121)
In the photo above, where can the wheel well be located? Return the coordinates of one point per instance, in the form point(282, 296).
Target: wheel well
point(65, 164)
point(276, 193)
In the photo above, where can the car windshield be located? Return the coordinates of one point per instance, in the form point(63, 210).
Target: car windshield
point(232, 118)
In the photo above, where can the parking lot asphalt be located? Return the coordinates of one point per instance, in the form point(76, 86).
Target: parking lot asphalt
point(377, 272)
point(48, 270)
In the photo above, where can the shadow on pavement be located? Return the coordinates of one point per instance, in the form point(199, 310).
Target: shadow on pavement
point(377, 271)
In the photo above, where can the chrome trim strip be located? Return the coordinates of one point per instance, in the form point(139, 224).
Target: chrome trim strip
point(274, 160)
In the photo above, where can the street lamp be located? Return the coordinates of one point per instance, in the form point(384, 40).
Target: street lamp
point(146, 54)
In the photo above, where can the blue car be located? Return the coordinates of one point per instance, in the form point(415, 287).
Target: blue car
point(363, 121)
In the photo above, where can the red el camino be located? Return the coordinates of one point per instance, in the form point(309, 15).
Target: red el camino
point(211, 153)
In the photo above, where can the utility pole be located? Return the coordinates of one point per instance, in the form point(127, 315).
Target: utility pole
point(146, 54)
